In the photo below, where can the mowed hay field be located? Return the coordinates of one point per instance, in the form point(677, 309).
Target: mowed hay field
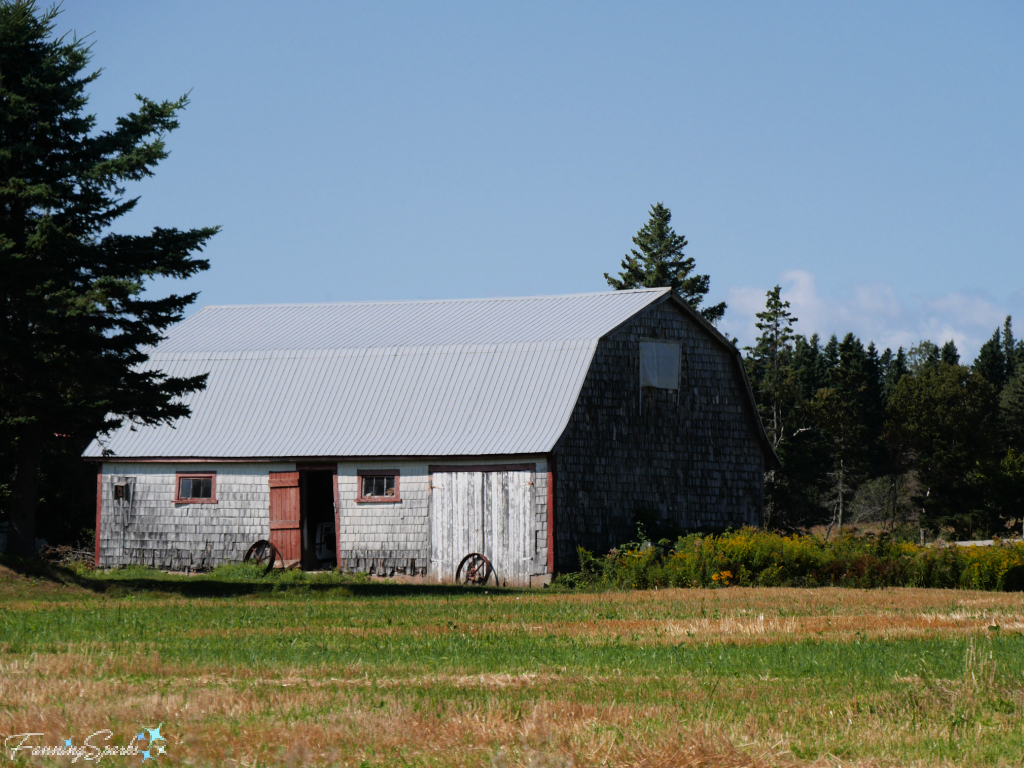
point(392, 674)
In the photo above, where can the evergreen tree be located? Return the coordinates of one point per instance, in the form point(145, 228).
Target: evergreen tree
point(991, 361)
point(1011, 410)
point(660, 263)
point(950, 355)
point(828, 362)
point(772, 354)
point(75, 325)
point(847, 414)
point(805, 362)
point(946, 416)
point(894, 368)
point(1010, 348)
point(875, 406)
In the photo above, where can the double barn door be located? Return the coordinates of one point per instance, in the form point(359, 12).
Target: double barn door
point(489, 512)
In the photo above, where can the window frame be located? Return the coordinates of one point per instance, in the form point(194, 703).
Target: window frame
point(361, 473)
point(680, 383)
point(179, 476)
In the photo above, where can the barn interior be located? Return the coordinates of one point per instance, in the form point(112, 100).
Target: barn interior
point(318, 539)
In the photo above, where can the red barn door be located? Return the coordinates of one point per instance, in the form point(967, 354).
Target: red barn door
point(286, 516)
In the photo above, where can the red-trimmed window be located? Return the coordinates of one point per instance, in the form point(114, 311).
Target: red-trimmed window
point(378, 485)
point(195, 488)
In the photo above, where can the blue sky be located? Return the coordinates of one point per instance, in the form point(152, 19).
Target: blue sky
point(867, 156)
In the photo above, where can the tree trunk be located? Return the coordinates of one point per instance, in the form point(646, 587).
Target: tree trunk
point(21, 533)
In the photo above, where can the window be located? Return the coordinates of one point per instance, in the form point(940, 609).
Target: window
point(196, 488)
point(378, 485)
point(659, 364)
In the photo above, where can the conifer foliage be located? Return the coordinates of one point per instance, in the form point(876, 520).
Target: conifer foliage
point(75, 321)
point(658, 262)
point(891, 437)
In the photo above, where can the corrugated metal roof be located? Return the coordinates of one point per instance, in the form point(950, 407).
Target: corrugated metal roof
point(423, 378)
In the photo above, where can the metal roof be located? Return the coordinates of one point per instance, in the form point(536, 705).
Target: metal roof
point(413, 378)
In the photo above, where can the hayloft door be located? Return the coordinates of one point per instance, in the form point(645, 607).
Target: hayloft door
point(488, 510)
point(286, 516)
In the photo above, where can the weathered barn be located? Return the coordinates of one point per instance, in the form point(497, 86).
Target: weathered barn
point(400, 436)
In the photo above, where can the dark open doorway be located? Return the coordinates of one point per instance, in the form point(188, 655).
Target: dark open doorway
point(318, 533)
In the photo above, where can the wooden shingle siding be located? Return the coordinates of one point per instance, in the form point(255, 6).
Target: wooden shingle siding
point(150, 529)
point(691, 457)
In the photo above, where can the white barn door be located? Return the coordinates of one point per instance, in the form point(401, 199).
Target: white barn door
point(490, 512)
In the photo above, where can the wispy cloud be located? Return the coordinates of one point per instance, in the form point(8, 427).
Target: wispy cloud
point(874, 312)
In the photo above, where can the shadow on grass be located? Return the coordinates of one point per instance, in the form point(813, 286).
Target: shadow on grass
point(129, 581)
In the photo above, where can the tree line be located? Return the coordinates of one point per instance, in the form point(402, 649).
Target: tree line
point(911, 436)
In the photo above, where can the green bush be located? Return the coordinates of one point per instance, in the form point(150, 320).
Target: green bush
point(751, 557)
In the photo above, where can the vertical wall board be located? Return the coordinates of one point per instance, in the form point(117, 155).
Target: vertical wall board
point(286, 515)
point(99, 513)
point(490, 512)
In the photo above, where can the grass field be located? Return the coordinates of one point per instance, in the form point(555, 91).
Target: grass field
point(295, 671)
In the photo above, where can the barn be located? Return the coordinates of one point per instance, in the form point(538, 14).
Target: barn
point(398, 437)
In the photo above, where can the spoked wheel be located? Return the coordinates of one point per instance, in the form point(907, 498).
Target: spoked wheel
point(263, 553)
point(474, 569)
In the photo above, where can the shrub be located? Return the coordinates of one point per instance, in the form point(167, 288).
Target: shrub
point(750, 557)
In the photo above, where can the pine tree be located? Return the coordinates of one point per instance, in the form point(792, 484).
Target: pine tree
point(660, 263)
point(75, 325)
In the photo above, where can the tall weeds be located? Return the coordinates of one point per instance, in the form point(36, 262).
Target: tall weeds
point(750, 557)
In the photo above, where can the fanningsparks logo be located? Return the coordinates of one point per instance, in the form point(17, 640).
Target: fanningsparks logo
point(92, 748)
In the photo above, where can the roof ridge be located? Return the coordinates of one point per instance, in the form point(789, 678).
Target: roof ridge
point(435, 301)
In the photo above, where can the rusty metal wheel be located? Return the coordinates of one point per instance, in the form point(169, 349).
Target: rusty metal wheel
point(474, 569)
point(263, 553)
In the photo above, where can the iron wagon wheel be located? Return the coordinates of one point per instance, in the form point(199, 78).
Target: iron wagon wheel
point(474, 569)
point(262, 553)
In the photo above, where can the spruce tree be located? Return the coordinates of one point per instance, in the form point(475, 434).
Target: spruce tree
point(772, 354)
point(1010, 348)
point(660, 263)
point(1011, 407)
point(950, 355)
point(828, 362)
point(75, 322)
point(991, 361)
point(805, 361)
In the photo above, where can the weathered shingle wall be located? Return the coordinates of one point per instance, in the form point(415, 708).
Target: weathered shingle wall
point(382, 538)
point(692, 458)
point(150, 529)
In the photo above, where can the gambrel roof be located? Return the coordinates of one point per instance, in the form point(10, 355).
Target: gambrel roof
point(393, 378)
